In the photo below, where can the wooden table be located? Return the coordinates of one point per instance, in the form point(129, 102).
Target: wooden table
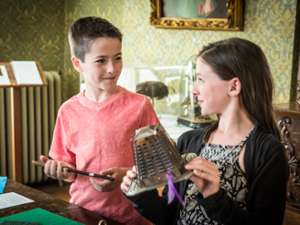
point(292, 216)
point(52, 204)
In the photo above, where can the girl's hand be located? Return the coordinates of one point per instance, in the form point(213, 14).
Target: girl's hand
point(127, 180)
point(106, 185)
point(205, 175)
point(55, 169)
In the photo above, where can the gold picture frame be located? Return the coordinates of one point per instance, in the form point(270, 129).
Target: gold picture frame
point(226, 15)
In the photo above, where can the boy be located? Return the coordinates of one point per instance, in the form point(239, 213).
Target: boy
point(94, 128)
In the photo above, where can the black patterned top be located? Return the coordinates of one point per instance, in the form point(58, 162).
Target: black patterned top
point(267, 175)
point(232, 180)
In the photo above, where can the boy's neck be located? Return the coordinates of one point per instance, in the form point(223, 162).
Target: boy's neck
point(99, 95)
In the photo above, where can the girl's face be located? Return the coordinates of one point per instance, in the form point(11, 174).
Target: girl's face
point(102, 66)
point(210, 90)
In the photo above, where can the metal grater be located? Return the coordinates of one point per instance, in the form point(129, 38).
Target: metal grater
point(154, 154)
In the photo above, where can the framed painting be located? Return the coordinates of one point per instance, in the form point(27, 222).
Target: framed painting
point(198, 14)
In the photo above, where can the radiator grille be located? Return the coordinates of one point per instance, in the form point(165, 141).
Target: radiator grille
point(39, 107)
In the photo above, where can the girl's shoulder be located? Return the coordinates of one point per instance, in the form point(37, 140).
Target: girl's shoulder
point(263, 147)
point(264, 141)
point(263, 152)
point(192, 140)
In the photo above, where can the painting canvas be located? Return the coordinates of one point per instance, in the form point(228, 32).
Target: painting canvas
point(197, 14)
point(195, 8)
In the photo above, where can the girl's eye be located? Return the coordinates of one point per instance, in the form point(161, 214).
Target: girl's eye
point(199, 80)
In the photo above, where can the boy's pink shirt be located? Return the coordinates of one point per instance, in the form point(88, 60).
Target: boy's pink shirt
point(97, 136)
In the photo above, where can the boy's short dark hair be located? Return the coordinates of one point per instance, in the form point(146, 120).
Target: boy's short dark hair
point(85, 30)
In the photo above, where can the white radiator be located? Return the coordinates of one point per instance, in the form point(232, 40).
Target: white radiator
point(39, 107)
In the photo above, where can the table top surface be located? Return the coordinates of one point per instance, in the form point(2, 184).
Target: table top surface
point(52, 204)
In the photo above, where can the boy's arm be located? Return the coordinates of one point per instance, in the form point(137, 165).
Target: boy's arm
point(148, 115)
point(57, 169)
point(59, 149)
point(59, 154)
point(105, 185)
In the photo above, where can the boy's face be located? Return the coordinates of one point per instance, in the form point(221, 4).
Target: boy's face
point(102, 65)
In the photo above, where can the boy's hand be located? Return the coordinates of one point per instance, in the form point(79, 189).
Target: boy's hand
point(106, 185)
point(55, 170)
point(127, 180)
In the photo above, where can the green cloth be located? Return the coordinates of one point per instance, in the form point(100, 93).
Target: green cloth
point(18, 223)
point(39, 216)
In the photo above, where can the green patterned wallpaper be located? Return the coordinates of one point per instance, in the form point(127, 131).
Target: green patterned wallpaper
point(36, 30)
point(268, 23)
point(32, 30)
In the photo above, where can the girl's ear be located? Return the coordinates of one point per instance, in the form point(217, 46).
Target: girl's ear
point(234, 87)
point(76, 63)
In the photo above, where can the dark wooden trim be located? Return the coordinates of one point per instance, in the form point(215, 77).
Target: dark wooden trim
point(296, 55)
point(17, 132)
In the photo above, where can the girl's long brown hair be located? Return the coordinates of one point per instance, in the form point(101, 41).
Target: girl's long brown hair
point(236, 57)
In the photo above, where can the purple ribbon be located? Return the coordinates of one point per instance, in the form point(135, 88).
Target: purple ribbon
point(172, 192)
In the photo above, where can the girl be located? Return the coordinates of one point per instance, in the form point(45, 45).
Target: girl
point(240, 174)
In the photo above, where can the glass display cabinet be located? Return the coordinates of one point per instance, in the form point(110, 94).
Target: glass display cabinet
point(170, 91)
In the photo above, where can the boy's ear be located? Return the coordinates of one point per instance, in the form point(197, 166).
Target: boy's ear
point(234, 87)
point(76, 63)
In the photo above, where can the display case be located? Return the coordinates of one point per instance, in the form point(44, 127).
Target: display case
point(170, 91)
point(160, 83)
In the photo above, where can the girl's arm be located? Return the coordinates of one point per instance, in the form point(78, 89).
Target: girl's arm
point(265, 199)
point(149, 203)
